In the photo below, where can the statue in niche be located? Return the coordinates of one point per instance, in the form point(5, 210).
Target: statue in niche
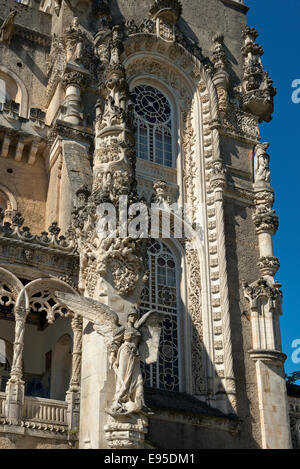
point(128, 345)
point(75, 42)
point(262, 160)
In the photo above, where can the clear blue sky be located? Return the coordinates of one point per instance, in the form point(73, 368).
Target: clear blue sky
point(278, 24)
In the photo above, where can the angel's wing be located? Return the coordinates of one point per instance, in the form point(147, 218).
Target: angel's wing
point(152, 318)
point(149, 344)
point(105, 320)
point(150, 326)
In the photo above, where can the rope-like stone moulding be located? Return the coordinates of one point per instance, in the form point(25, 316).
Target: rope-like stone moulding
point(224, 296)
point(220, 228)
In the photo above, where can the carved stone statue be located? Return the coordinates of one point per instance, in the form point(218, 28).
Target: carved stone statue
point(261, 167)
point(75, 41)
point(127, 345)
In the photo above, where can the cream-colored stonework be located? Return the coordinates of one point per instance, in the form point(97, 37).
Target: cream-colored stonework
point(123, 342)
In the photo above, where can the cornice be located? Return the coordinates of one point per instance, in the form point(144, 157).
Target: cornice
point(239, 6)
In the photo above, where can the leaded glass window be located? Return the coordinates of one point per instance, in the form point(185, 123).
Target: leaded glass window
point(153, 123)
point(160, 293)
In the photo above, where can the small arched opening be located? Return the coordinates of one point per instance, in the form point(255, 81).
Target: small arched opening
point(61, 368)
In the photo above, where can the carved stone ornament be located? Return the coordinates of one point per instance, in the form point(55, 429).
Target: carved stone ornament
point(258, 90)
point(266, 222)
point(264, 288)
point(166, 13)
point(161, 196)
point(16, 231)
point(219, 56)
point(261, 165)
point(119, 260)
point(268, 265)
point(218, 175)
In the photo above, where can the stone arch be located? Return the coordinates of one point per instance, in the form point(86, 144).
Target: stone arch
point(47, 284)
point(146, 55)
point(6, 360)
point(8, 202)
point(61, 367)
point(20, 93)
point(10, 287)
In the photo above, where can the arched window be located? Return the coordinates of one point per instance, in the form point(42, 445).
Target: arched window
point(12, 88)
point(8, 89)
point(160, 293)
point(154, 125)
point(6, 352)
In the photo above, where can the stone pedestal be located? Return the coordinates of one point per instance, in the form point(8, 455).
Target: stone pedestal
point(272, 397)
point(126, 432)
point(14, 401)
point(73, 400)
point(97, 388)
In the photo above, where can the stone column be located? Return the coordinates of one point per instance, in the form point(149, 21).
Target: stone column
point(111, 269)
point(220, 78)
point(15, 387)
point(265, 300)
point(227, 392)
point(74, 80)
point(73, 393)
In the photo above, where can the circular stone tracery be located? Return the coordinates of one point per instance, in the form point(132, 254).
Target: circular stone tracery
point(151, 105)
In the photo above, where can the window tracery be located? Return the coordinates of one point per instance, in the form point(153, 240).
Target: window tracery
point(154, 125)
point(160, 293)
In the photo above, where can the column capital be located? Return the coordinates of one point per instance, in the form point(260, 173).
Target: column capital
point(268, 356)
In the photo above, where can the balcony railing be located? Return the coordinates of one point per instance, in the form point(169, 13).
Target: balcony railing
point(45, 414)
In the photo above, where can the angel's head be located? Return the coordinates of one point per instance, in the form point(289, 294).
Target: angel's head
point(133, 315)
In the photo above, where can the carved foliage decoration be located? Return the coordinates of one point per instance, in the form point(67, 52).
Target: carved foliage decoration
point(195, 310)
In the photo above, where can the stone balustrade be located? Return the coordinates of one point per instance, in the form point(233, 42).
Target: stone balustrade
point(45, 411)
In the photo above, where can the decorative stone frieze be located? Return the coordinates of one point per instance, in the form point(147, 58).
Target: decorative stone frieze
point(15, 230)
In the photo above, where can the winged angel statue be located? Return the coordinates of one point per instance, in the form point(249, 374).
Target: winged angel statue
point(127, 345)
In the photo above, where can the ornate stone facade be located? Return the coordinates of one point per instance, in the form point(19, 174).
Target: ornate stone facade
point(136, 118)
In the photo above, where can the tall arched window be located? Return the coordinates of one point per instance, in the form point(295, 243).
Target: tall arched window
point(160, 293)
point(6, 352)
point(12, 88)
point(154, 125)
